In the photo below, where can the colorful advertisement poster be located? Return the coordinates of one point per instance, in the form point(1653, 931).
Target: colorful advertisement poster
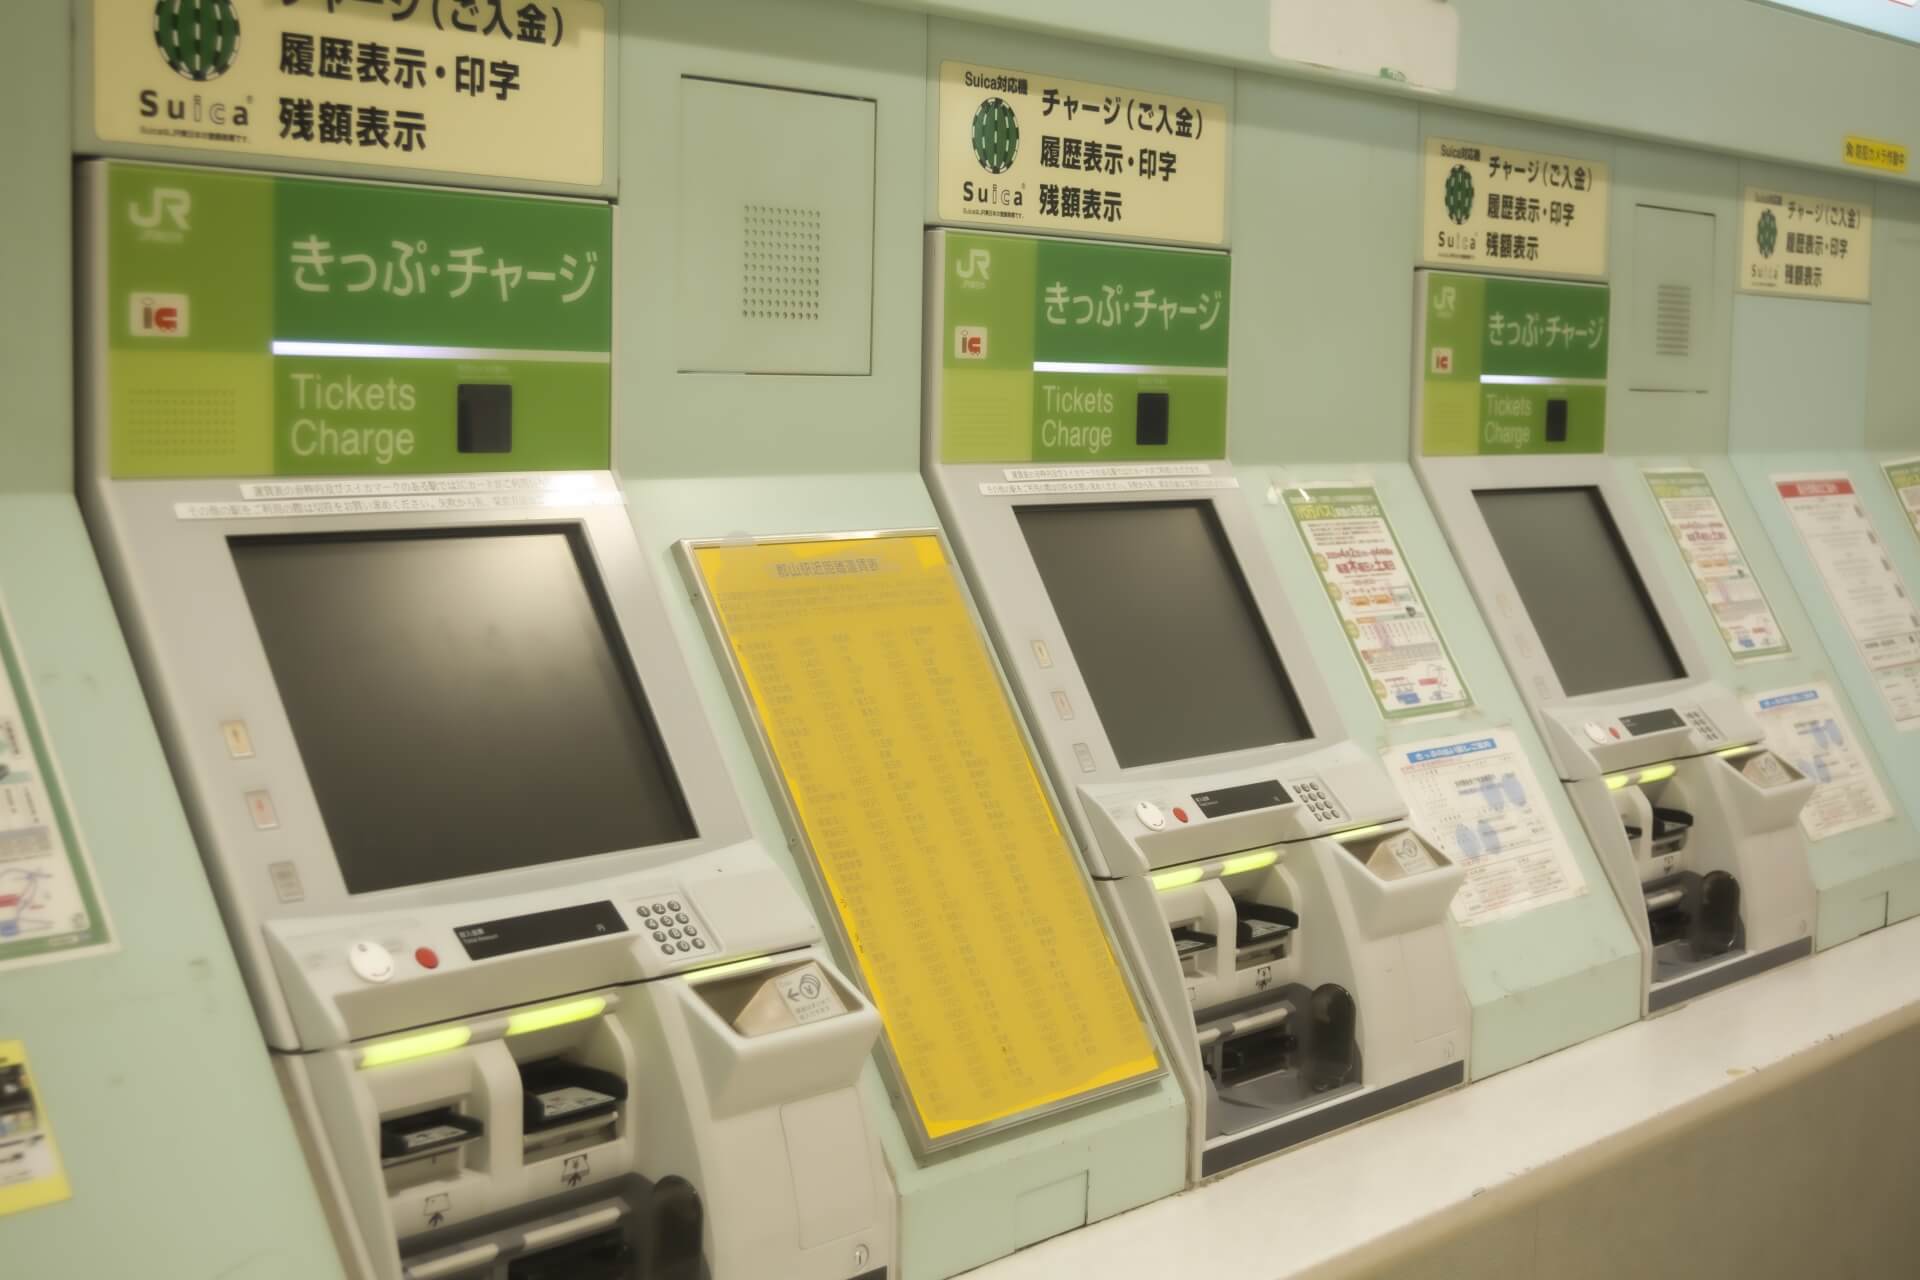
point(489, 90)
point(1719, 567)
point(1512, 210)
point(49, 902)
point(1806, 246)
point(1807, 727)
point(1393, 634)
point(1027, 151)
point(1477, 800)
point(1871, 595)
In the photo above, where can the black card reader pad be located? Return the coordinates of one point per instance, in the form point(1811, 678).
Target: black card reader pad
point(558, 1091)
point(485, 418)
point(1150, 418)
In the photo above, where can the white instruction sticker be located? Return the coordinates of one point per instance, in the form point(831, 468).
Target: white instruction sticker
point(1808, 726)
point(1719, 567)
point(1477, 800)
point(1380, 608)
point(1870, 593)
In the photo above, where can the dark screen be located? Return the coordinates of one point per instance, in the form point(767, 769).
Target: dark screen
point(1580, 588)
point(1173, 651)
point(462, 701)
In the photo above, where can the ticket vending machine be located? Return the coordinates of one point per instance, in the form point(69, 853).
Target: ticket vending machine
point(1695, 821)
point(538, 1003)
point(1287, 923)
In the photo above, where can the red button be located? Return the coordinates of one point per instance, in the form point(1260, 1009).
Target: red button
point(427, 958)
point(1180, 814)
point(1614, 730)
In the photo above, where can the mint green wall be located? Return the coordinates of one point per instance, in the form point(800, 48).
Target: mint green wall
point(1709, 72)
point(155, 1079)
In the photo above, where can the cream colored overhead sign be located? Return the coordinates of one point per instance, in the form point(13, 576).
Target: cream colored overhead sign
point(1806, 246)
point(1511, 210)
point(1026, 151)
point(494, 88)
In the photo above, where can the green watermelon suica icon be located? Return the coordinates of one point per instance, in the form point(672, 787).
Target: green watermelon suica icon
point(1459, 195)
point(1769, 234)
point(198, 38)
point(996, 135)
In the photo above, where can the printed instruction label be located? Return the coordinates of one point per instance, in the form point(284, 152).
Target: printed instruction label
point(808, 995)
point(1028, 151)
point(49, 902)
point(1904, 475)
point(1719, 567)
point(1476, 799)
point(1808, 727)
point(1385, 618)
point(1871, 595)
point(31, 1175)
point(508, 90)
point(1806, 246)
point(1523, 211)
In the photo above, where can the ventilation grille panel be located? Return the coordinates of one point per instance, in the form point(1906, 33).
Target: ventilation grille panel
point(780, 262)
point(1673, 320)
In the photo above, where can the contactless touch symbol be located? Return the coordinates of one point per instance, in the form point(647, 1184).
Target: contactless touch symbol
point(1459, 195)
point(1769, 233)
point(198, 38)
point(996, 135)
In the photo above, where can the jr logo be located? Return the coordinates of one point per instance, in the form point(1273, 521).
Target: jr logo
point(969, 343)
point(1445, 299)
point(157, 315)
point(979, 262)
point(166, 211)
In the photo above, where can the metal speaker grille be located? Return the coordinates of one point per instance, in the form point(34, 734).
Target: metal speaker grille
point(1673, 320)
point(780, 262)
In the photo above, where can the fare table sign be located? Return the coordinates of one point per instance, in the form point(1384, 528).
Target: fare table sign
point(911, 788)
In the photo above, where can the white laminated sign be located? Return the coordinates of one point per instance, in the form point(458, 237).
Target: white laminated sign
point(1476, 799)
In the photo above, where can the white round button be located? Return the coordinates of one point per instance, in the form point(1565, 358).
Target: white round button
point(1150, 816)
point(371, 961)
point(1597, 732)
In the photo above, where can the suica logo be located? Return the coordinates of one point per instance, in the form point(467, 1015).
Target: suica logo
point(969, 342)
point(996, 135)
point(157, 315)
point(198, 38)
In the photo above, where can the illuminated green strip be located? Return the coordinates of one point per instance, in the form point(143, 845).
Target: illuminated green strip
point(407, 1048)
point(556, 1015)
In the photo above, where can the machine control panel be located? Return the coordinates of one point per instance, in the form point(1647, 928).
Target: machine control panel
point(539, 929)
point(1315, 800)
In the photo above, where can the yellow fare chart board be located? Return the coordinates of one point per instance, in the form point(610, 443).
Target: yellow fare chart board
point(972, 924)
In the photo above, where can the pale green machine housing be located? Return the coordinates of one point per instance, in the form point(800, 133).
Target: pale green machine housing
point(768, 385)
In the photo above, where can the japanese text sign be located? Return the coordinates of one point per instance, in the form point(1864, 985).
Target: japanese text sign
point(1513, 210)
point(1512, 366)
point(917, 797)
point(1039, 153)
point(493, 88)
point(286, 326)
point(1806, 246)
point(1053, 350)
